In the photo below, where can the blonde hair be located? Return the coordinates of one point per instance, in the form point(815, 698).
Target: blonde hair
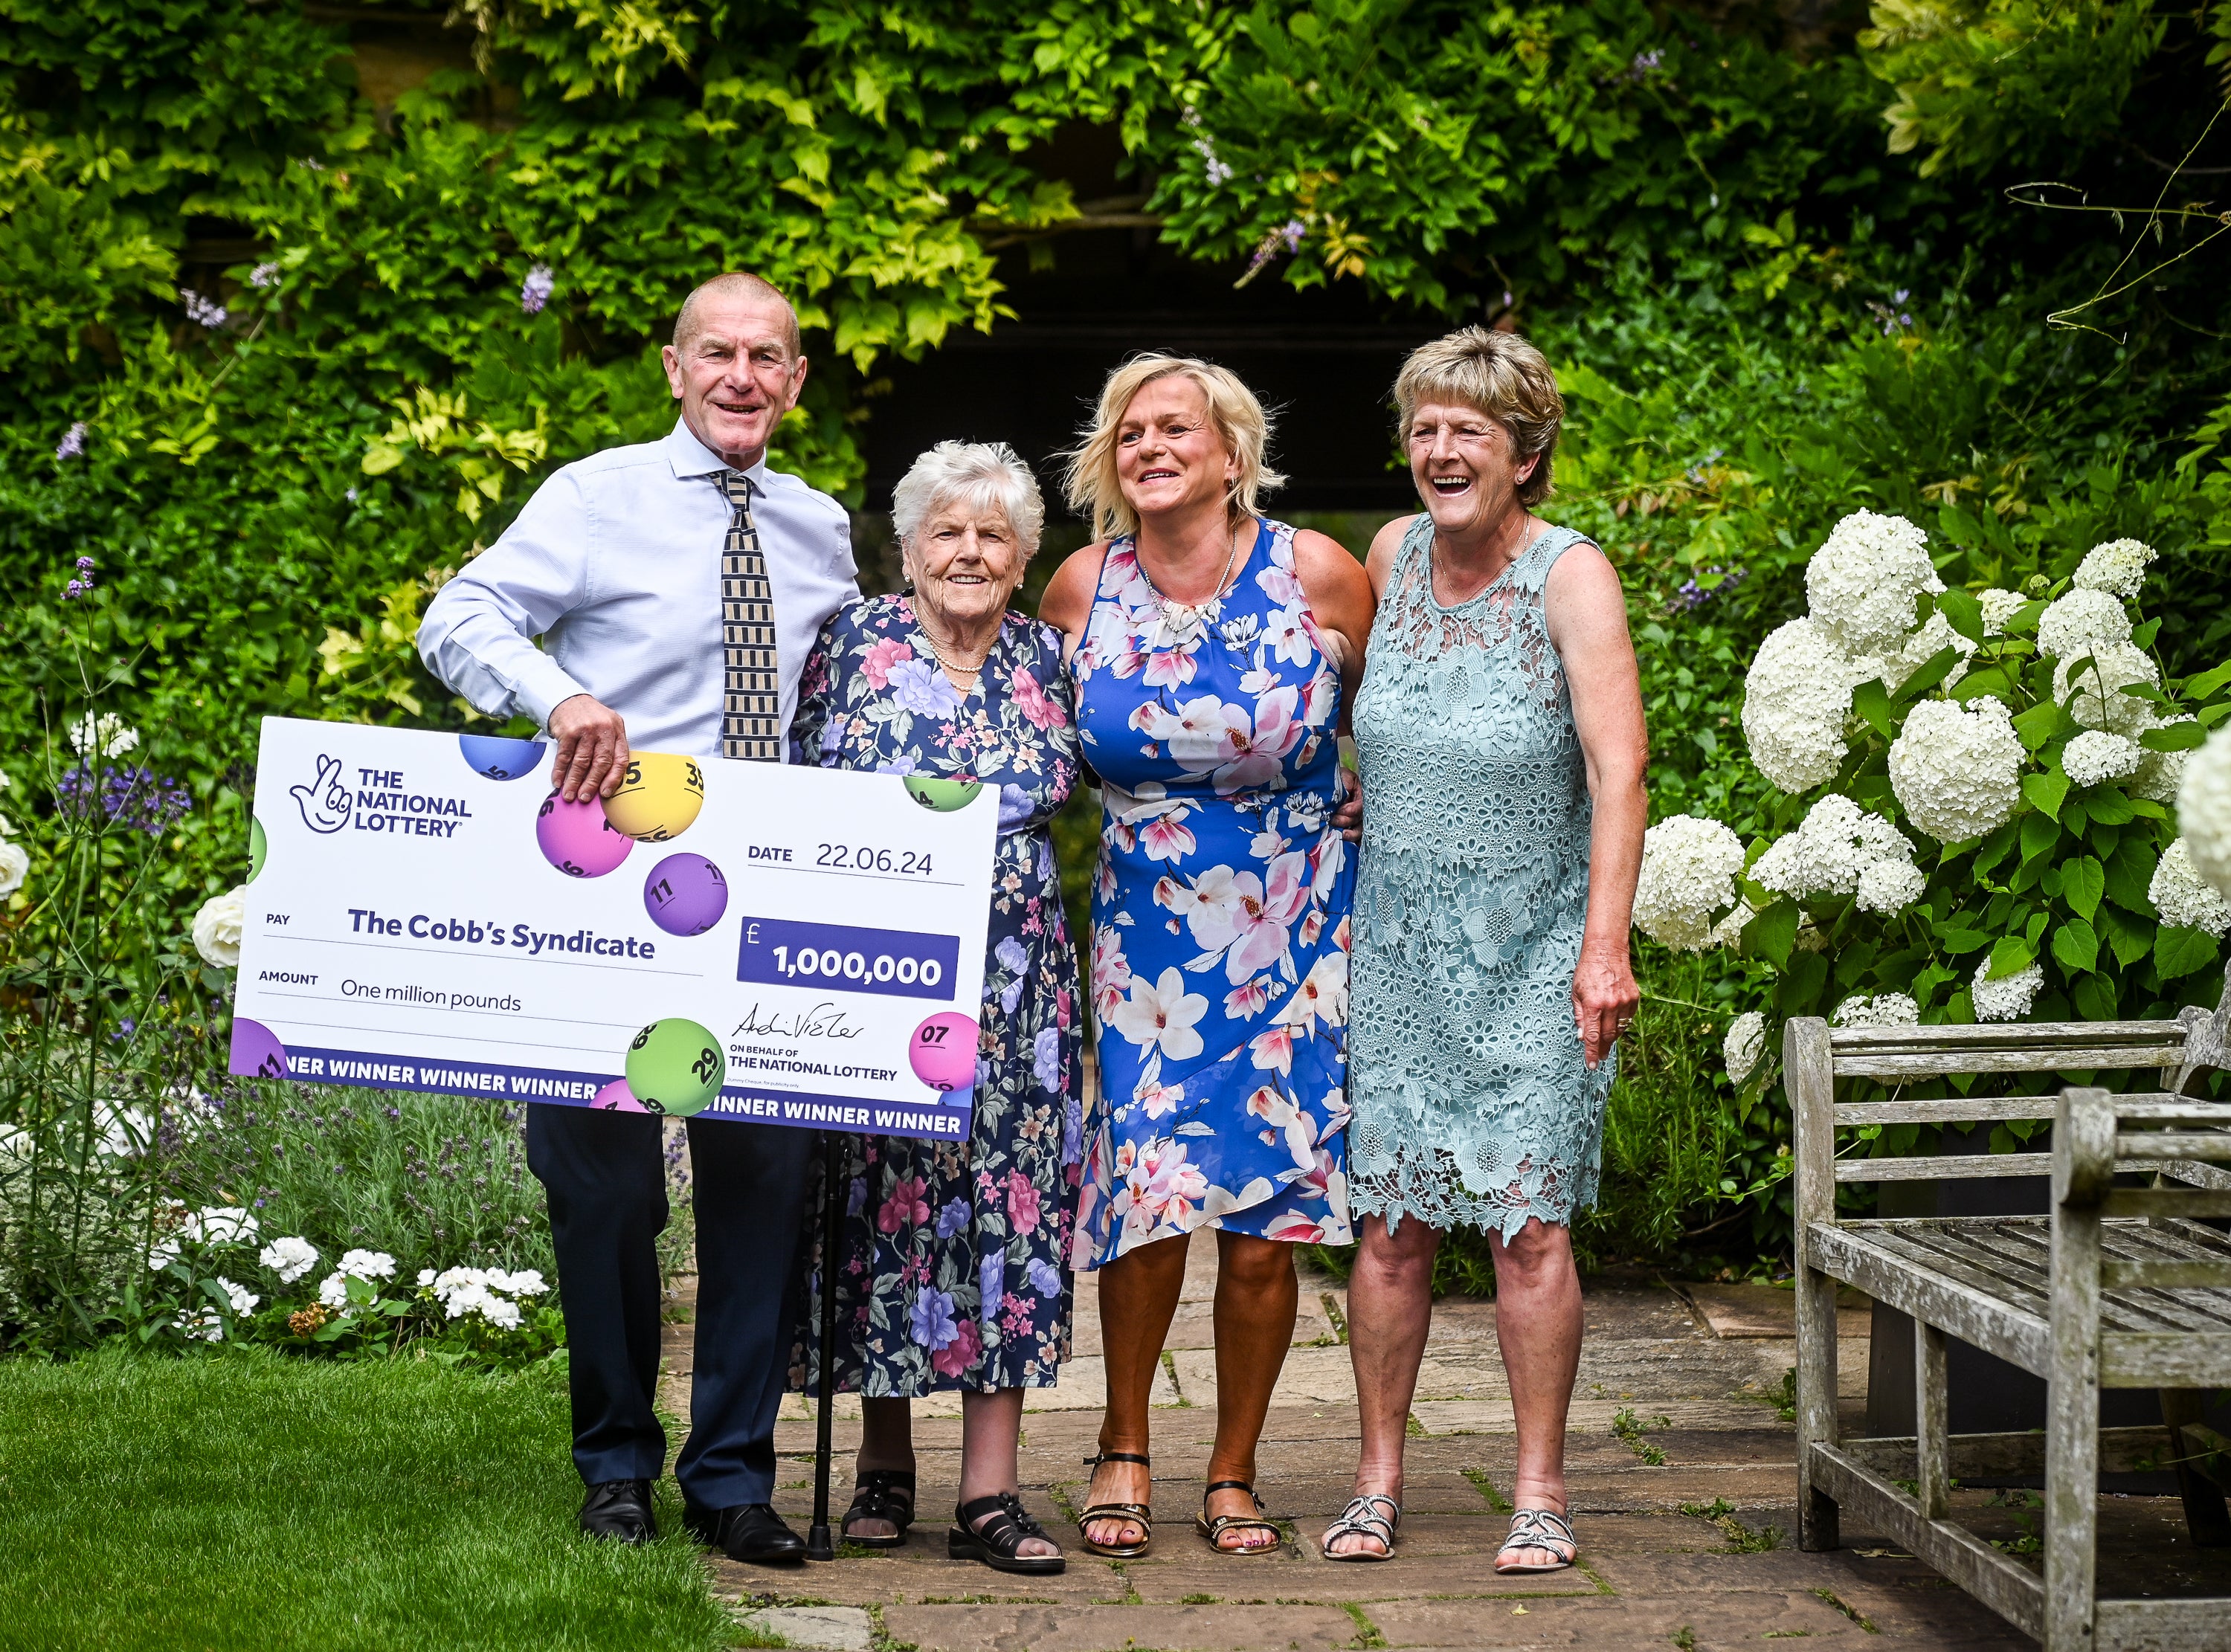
point(973, 476)
point(1233, 410)
point(1503, 376)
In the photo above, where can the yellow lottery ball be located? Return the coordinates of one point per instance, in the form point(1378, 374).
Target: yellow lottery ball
point(659, 796)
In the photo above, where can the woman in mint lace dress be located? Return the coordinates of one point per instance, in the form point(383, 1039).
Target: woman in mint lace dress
point(1499, 733)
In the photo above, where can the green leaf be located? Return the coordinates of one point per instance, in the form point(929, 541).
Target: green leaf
point(2107, 805)
point(1995, 848)
point(2177, 737)
point(1957, 941)
point(2044, 791)
point(2205, 684)
point(2129, 939)
point(1770, 934)
point(1963, 612)
point(1927, 675)
point(1801, 983)
point(2040, 723)
point(1988, 681)
point(2130, 870)
point(2039, 833)
point(2095, 998)
point(2023, 620)
point(2082, 882)
point(2179, 951)
point(2076, 944)
point(2012, 953)
point(1872, 700)
point(381, 457)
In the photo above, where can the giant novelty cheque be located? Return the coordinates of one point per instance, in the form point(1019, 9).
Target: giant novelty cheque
point(725, 940)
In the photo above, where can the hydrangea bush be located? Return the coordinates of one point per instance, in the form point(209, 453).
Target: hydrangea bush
point(1977, 817)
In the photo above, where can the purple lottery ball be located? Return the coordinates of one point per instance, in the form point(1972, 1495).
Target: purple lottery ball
point(257, 1050)
point(576, 839)
point(685, 894)
point(500, 759)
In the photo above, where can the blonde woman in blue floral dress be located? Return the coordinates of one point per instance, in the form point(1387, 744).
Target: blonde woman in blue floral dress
point(955, 1258)
point(1500, 736)
point(1212, 651)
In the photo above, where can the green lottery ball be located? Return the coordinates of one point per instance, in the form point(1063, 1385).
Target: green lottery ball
point(676, 1067)
point(258, 847)
point(943, 796)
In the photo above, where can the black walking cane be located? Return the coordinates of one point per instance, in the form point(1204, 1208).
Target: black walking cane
point(817, 1544)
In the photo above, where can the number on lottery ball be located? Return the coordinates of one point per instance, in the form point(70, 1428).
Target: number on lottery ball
point(943, 1051)
point(659, 796)
point(500, 759)
point(676, 1067)
point(577, 838)
point(685, 894)
point(943, 796)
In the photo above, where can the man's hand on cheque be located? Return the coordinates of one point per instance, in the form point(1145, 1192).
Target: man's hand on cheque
point(592, 748)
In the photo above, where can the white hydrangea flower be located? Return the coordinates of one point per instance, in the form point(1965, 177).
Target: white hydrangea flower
point(2159, 774)
point(1956, 769)
point(1728, 930)
point(217, 927)
point(1889, 886)
point(2081, 621)
point(2182, 897)
point(2204, 809)
point(2099, 702)
point(1689, 868)
point(2008, 998)
point(1999, 606)
point(1830, 850)
point(243, 1300)
point(1795, 698)
point(289, 1258)
point(2118, 566)
point(1861, 582)
point(1745, 1045)
point(1885, 1009)
point(1810, 936)
point(14, 867)
point(368, 1264)
point(2095, 756)
point(1894, 667)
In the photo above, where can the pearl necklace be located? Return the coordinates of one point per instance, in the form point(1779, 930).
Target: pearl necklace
point(975, 672)
point(1180, 620)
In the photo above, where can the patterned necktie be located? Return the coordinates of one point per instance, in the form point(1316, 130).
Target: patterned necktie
point(752, 692)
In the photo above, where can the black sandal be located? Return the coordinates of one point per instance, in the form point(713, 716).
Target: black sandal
point(996, 1541)
point(881, 1495)
point(1138, 1514)
point(1215, 1528)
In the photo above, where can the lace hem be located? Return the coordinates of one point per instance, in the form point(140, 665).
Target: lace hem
point(1427, 1182)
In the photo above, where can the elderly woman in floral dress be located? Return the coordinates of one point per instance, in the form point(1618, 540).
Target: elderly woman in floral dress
point(953, 1267)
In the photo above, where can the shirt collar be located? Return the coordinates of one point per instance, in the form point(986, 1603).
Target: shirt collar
point(691, 457)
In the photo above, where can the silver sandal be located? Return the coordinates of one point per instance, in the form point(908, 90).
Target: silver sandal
point(1538, 1528)
point(1363, 1518)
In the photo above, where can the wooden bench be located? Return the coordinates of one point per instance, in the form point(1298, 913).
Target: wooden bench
point(2119, 1287)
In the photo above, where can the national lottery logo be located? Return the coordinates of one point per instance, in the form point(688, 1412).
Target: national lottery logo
point(325, 801)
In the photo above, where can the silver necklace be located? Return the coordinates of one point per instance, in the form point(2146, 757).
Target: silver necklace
point(1180, 620)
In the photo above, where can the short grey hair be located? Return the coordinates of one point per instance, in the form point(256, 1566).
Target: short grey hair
point(973, 476)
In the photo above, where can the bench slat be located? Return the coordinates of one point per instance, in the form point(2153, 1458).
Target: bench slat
point(2163, 1275)
point(1963, 1109)
point(1954, 1166)
point(2011, 1034)
point(1908, 1064)
point(2020, 1251)
point(1978, 1456)
point(2166, 1202)
point(1979, 1316)
point(2173, 1144)
point(2175, 1625)
point(2165, 1359)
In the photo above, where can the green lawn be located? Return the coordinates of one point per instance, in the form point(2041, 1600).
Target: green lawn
point(256, 1502)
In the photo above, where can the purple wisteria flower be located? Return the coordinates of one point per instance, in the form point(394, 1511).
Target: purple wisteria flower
point(932, 1320)
point(1693, 595)
point(136, 799)
point(1045, 1278)
point(72, 446)
point(264, 274)
point(203, 312)
point(1893, 318)
point(82, 585)
point(920, 687)
point(1643, 66)
point(534, 292)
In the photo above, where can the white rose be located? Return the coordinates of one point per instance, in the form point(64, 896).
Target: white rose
point(1956, 769)
point(217, 925)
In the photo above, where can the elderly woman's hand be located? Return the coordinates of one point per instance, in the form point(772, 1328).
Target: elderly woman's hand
point(1604, 997)
point(1349, 817)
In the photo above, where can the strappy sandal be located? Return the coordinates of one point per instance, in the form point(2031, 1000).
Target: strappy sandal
point(881, 1495)
point(1138, 1514)
point(1361, 1518)
point(994, 1543)
point(1214, 1528)
point(1538, 1528)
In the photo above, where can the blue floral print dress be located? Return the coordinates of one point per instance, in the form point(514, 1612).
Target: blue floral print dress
point(1220, 912)
point(953, 1272)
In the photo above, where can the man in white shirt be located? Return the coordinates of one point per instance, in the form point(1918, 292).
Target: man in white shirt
point(650, 572)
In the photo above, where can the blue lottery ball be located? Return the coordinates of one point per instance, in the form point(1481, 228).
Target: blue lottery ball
point(500, 759)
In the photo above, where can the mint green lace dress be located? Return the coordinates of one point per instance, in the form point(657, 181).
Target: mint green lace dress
point(1472, 1105)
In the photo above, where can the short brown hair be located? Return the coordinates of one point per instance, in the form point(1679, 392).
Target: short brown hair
point(1236, 412)
point(1502, 375)
point(736, 283)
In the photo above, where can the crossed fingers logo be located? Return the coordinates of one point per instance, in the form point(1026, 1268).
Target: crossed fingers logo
point(324, 801)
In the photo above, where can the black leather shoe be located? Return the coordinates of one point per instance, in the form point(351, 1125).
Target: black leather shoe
point(620, 1510)
point(749, 1531)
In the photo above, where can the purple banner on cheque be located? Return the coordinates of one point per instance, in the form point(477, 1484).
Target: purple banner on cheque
point(837, 958)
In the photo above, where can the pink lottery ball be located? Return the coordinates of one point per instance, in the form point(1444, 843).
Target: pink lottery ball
point(616, 1097)
point(576, 839)
point(943, 1051)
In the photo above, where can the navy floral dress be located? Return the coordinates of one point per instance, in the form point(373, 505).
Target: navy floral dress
point(955, 1271)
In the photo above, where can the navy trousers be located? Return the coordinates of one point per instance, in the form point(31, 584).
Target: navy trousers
point(607, 1191)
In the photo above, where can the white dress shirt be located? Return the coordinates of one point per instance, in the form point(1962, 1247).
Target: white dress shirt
point(615, 562)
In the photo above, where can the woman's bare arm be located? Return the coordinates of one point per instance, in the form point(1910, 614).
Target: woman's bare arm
point(1067, 604)
point(1587, 614)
